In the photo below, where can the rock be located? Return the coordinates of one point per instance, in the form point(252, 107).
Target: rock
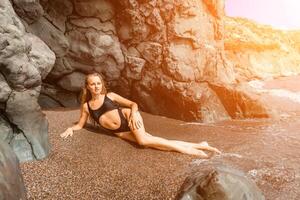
point(259, 51)
point(23, 105)
point(47, 102)
point(110, 69)
point(61, 67)
point(6, 130)
point(152, 52)
point(134, 67)
point(193, 100)
point(242, 102)
point(95, 8)
point(93, 47)
point(29, 10)
point(63, 97)
point(53, 37)
point(4, 89)
point(73, 82)
point(57, 11)
point(40, 55)
point(23, 65)
point(11, 182)
point(220, 183)
point(107, 27)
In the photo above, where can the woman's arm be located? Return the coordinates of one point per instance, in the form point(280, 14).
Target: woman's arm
point(133, 120)
point(83, 118)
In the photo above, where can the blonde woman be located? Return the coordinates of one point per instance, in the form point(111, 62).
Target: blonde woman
point(126, 121)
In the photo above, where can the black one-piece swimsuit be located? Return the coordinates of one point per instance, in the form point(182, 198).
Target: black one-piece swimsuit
point(109, 105)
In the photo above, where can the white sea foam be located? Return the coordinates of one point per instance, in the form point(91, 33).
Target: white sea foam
point(259, 85)
point(256, 84)
point(294, 96)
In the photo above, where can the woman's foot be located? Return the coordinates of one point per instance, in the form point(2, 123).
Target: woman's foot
point(205, 146)
point(196, 152)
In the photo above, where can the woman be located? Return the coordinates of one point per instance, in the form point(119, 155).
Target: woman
point(127, 122)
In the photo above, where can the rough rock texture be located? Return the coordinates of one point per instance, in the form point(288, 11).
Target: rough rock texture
point(258, 51)
point(220, 183)
point(11, 181)
point(24, 61)
point(83, 36)
point(174, 58)
point(174, 54)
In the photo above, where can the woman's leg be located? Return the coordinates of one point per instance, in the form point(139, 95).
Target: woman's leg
point(202, 145)
point(146, 139)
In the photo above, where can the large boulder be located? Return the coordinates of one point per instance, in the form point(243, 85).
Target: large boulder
point(25, 60)
point(219, 183)
point(11, 181)
point(158, 53)
point(28, 10)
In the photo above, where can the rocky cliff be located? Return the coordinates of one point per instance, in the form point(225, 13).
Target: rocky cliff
point(166, 55)
point(260, 51)
point(173, 57)
point(25, 60)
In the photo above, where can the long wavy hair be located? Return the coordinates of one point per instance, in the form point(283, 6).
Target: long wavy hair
point(86, 95)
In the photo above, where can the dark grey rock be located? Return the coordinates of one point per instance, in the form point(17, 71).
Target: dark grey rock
point(48, 102)
point(73, 82)
point(52, 36)
point(220, 183)
point(6, 131)
point(63, 97)
point(23, 110)
point(4, 89)
point(11, 181)
point(29, 10)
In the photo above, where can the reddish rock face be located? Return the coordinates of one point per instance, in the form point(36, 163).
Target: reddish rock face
point(258, 51)
point(186, 74)
point(173, 57)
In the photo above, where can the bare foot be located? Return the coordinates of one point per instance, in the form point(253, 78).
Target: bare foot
point(197, 152)
point(205, 146)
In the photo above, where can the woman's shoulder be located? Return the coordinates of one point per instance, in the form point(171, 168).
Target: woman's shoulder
point(111, 95)
point(85, 107)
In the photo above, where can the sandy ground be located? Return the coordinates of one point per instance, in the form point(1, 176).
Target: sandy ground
point(92, 165)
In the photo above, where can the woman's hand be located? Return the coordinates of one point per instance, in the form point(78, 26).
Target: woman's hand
point(134, 121)
point(67, 132)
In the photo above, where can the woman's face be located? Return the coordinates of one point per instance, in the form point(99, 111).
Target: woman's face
point(94, 85)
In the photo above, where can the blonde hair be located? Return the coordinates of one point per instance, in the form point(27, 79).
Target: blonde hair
point(86, 95)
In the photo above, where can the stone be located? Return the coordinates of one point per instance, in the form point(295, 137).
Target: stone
point(62, 97)
point(95, 8)
point(11, 182)
point(110, 69)
point(29, 10)
point(152, 52)
point(242, 102)
point(40, 55)
point(61, 67)
point(134, 67)
point(107, 27)
point(259, 51)
point(52, 36)
point(73, 82)
point(219, 183)
point(24, 61)
point(4, 89)
point(6, 133)
point(23, 105)
point(92, 47)
point(47, 102)
point(57, 11)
